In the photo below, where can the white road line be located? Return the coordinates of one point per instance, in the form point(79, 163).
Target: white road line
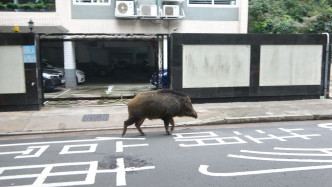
point(58, 95)
point(66, 149)
point(237, 132)
point(90, 172)
point(120, 146)
point(72, 141)
point(109, 89)
point(260, 131)
point(203, 169)
point(278, 159)
point(326, 125)
point(286, 154)
point(303, 149)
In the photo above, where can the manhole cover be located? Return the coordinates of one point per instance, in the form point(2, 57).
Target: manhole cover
point(95, 117)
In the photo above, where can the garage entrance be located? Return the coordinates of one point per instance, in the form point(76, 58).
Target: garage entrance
point(108, 67)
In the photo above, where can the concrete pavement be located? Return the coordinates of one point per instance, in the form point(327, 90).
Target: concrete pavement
point(80, 118)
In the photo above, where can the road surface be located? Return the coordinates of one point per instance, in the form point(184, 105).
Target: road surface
point(266, 154)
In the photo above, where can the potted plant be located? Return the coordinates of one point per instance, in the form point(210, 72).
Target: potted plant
point(12, 6)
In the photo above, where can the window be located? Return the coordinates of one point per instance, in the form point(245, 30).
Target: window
point(92, 2)
point(211, 2)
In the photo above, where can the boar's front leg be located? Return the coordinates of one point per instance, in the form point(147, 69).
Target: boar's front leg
point(172, 123)
point(166, 123)
point(138, 126)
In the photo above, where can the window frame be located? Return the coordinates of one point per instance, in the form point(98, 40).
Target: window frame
point(212, 5)
point(93, 3)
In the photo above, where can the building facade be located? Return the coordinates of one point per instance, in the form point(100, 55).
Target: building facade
point(120, 36)
point(139, 16)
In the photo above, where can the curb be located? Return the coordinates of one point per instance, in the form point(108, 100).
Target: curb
point(226, 120)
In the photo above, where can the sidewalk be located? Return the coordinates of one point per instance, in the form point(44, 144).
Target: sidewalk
point(112, 116)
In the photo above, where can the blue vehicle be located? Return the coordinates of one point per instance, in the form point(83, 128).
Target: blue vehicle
point(154, 78)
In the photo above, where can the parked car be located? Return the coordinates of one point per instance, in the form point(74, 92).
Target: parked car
point(48, 64)
point(103, 70)
point(52, 79)
point(154, 78)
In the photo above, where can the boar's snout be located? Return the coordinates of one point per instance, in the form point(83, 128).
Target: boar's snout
point(191, 113)
point(194, 114)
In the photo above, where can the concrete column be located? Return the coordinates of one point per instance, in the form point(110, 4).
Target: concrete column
point(243, 15)
point(165, 48)
point(69, 63)
point(160, 53)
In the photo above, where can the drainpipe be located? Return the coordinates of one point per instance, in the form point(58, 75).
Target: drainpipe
point(326, 95)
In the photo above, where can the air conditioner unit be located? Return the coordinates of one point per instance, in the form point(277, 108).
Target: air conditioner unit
point(171, 10)
point(124, 8)
point(148, 10)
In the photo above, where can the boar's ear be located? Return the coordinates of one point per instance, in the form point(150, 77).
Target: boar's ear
point(187, 102)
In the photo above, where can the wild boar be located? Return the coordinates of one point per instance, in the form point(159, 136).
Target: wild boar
point(161, 104)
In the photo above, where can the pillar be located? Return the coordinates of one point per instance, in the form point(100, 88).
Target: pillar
point(69, 63)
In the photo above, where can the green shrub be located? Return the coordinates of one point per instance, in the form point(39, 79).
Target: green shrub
point(50, 6)
point(12, 6)
point(2, 6)
point(27, 6)
point(38, 6)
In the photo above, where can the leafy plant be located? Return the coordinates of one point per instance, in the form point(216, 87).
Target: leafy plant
point(50, 6)
point(12, 6)
point(2, 6)
point(289, 16)
point(27, 6)
point(39, 6)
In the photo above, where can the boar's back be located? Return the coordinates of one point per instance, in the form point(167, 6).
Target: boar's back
point(156, 104)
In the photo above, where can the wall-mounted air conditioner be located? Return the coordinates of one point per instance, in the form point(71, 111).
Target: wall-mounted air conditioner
point(124, 8)
point(171, 10)
point(148, 10)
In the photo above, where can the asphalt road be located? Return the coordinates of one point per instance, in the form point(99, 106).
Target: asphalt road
point(266, 154)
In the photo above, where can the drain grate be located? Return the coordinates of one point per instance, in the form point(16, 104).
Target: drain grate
point(95, 117)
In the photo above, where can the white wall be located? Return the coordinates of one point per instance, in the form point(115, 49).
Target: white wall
point(22, 18)
point(207, 66)
point(12, 77)
point(290, 65)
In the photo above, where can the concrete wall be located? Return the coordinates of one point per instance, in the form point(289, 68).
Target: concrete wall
point(12, 78)
point(247, 65)
point(220, 65)
point(290, 65)
point(21, 82)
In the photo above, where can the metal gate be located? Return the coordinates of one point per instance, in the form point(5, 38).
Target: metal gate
point(116, 66)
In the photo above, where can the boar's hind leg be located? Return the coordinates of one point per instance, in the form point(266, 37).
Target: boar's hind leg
point(166, 123)
point(172, 123)
point(138, 126)
point(127, 123)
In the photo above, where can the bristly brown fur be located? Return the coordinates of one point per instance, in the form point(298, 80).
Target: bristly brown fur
point(161, 104)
